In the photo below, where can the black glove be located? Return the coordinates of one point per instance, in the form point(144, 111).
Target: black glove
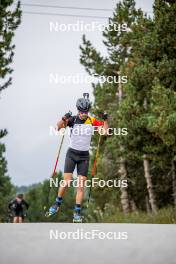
point(67, 116)
point(105, 116)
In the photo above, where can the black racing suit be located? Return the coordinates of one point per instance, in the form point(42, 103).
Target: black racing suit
point(18, 207)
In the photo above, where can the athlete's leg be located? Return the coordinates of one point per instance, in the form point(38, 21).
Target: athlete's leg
point(15, 219)
point(68, 171)
point(64, 184)
point(80, 189)
point(20, 219)
point(82, 168)
point(77, 218)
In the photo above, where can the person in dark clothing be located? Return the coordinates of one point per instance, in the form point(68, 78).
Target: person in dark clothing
point(17, 207)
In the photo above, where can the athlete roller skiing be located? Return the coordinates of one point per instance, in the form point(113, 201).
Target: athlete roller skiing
point(17, 207)
point(78, 151)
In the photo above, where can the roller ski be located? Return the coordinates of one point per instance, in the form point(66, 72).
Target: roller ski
point(54, 209)
point(77, 218)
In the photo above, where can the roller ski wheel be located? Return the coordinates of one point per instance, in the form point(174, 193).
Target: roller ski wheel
point(77, 218)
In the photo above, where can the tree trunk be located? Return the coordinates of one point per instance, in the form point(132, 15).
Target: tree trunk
point(124, 193)
point(148, 178)
point(133, 206)
point(123, 171)
point(148, 209)
point(174, 181)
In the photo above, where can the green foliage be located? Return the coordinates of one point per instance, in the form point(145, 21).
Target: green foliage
point(41, 197)
point(9, 21)
point(145, 53)
point(6, 188)
point(114, 215)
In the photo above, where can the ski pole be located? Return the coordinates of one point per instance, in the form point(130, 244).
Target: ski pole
point(94, 167)
point(55, 166)
point(58, 155)
point(59, 151)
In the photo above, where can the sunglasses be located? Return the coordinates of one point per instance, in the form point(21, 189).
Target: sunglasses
point(83, 113)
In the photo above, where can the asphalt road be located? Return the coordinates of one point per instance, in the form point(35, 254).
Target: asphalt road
point(87, 243)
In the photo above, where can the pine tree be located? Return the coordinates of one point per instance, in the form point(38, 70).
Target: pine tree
point(146, 55)
point(108, 97)
point(149, 106)
point(9, 21)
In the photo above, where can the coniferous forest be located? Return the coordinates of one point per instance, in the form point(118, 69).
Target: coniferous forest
point(9, 21)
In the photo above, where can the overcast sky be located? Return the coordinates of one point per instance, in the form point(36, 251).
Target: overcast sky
point(32, 104)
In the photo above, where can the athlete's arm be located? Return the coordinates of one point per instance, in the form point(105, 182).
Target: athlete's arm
point(26, 204)
point(64, 121)
point(61, 124)
point(104, 124)
point(10, 204)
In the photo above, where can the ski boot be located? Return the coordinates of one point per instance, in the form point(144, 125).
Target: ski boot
point(53, 209)
point(77, 218)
